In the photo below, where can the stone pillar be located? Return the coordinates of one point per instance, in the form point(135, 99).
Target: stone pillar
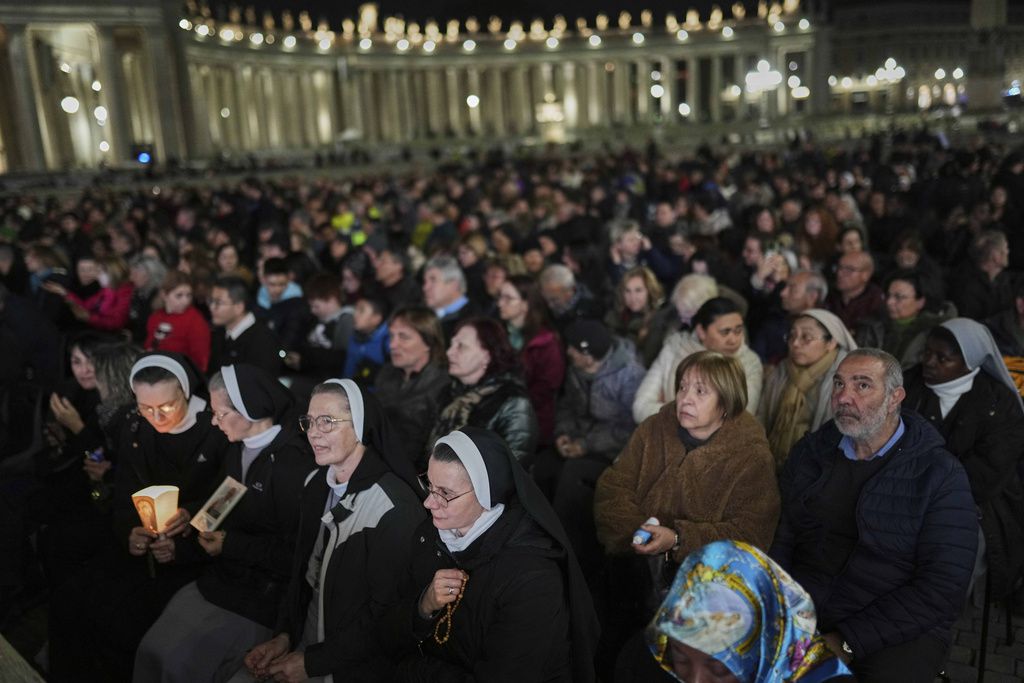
point(620, 93)
point(27, 143)
point(596, 112)
point(115, 97)
point(693, 88)
point(643, 91)
point(820, 64)
point(455, 100)
point(473, 88)
point(670, 100)
point(435, 102)
point(715, 94)
point(570, 98)
point(496, 102)
point(521, 101)
point(986, 56)
point(740, 77)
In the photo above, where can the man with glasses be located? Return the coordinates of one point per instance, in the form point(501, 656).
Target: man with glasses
point(855, 297)
point(238, 336)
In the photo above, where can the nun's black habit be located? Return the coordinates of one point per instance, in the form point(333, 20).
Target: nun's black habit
point(234, 602)
point(98, 619)
point(361, 543)
point(526, 615)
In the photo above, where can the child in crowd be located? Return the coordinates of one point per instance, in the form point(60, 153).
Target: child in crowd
point(368, 348)
point(179, 327)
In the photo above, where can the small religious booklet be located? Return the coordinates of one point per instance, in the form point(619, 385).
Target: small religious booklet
point(219, 505)
point(155, 505)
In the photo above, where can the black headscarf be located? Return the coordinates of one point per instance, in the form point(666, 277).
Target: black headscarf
point(255, 393)
point(504, 477)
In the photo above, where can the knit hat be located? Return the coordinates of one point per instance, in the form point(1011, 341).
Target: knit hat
point(589, 337)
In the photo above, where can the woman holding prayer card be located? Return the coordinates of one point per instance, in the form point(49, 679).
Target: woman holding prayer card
point(208, 626)
point(98, 619)
point(357, 517)
point(495, 593)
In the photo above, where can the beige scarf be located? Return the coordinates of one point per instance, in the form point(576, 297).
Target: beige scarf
point(793, 413)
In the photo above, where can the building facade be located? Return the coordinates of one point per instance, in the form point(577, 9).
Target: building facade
point(114, 82)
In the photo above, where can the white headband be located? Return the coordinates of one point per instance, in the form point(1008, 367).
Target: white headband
point(234, 393)
point(473, 461)
point(167, 363)
point(355, 403)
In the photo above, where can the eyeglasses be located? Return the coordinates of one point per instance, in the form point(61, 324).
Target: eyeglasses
point(164, 411)
point(221, 415)
point(802, 339)
point(441, 499)
point(217, 303)
point(324, 423)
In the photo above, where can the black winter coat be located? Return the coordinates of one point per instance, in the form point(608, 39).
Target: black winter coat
point(507, 412)
point(250, 575)
point(257, 346)
point(909, 571)
point(376, 518)
point(412, 405)
point(985, 430)
point(512, 625)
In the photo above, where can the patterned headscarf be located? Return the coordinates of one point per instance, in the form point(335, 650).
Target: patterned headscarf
point(732, 602)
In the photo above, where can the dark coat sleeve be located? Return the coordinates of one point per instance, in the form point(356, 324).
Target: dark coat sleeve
point(516, 422)
point(273, 551)
point(946, 546)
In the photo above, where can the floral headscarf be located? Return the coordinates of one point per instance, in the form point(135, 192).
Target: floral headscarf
point(732, 602)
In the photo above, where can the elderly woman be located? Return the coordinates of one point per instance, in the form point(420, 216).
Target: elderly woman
point(486, 389)
point(495, 593)
point(964, 389)
point(97, 621)
point(356, 521)
point(698, 466)
point(410, 385)
point(798, 393)
point(211, 623)
point(718, 326)
point(903, 328)
point(733, 615)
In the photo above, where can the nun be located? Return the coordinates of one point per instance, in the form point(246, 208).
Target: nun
point(963, 388)
point(211, 623)
point(495, 592)
point(98, 619)
point(357, 516)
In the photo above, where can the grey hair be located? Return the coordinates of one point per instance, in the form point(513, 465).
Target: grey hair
point(558, 274)
point(817, 283)
point(216, 382)
point(335, 390)
point(154, 267)
point(692, 291)
point(985, 243)
point(619, 228)
point(893, 373)
point(449, 269)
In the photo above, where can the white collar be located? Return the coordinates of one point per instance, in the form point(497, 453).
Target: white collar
point(485, 521)
point(247, 321)
point(196, 405)
point(950, 392)
point(262, 439)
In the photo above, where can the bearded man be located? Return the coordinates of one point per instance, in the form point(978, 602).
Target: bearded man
point(878, 524)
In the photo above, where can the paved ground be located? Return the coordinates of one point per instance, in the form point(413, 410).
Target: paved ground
point(1003, 663)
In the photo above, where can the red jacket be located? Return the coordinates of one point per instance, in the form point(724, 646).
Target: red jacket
point(544, 370)
point(108, 309)
point(186, 333)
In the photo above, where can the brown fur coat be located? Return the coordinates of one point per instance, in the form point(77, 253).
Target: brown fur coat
point(725, 489)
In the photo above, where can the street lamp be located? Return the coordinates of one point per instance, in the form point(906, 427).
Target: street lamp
point(763, 81)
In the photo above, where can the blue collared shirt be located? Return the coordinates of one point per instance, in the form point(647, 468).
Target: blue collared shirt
point(453, 307)
point(846, 444)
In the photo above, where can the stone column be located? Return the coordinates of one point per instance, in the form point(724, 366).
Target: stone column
point(27, 141)
point(473, 88)
point(620, 93)
point(111, 76)
point(715, 94)
point(455, 100)
point(496, 102)
point(670, 100)
point(693, 88)
point(570, 98)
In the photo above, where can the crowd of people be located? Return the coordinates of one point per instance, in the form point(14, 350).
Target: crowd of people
point(563, 416)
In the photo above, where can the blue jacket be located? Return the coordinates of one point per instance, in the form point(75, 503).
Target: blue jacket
point(366, 354)
point(917, 524)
